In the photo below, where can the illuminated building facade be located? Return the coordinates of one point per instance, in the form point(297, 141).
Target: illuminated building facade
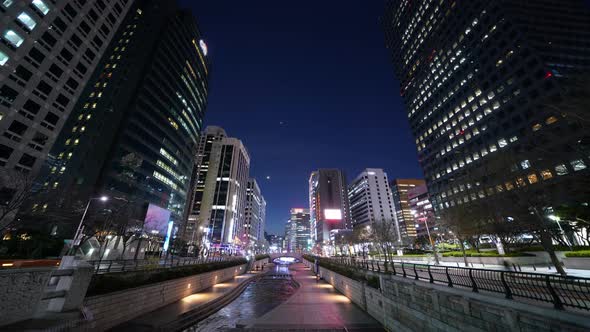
point(255, 214)
point(220, 190)
point(133, 134)
point(371, 200)
point(328, 204)
point(301, 230)
point(48, 52)
point(399, 194)
point(422, 211)
point(489, 88)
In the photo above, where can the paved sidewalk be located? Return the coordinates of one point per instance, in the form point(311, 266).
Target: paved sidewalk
point(162, 316)
point(316, 305)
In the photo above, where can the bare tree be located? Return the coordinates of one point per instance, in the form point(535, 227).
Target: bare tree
point(16, 189)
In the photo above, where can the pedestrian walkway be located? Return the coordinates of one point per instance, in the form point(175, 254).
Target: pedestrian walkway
point(167, 315)
point(540, 268)
point(316, 305)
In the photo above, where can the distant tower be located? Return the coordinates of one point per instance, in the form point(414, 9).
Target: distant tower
point(328, 204)
point(220, 189)
point(301, 226)
point(399, 191)
point(371, 200)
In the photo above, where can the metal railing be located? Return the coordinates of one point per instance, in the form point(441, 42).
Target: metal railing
point(561, 291)
point(127, 265)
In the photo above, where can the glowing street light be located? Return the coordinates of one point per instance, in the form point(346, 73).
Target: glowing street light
point(76, 242)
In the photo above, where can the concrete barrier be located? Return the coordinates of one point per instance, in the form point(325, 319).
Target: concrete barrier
point(109, 310)
point(21, 291)
point(406, 305)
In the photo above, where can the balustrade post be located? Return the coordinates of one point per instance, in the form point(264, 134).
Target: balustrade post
point(475, 290)
point(450, 284)
point(507, 289)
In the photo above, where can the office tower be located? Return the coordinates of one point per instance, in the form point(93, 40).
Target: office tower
point(133, 134)
point(255, 213)
point(300, 221)
point(194, 222)
point(491, 89)
point(48, 53)
point(328, 204)
point(289, 242)
point(422, 211)
point(220, 190)
point(399, 194)
point(370, 199)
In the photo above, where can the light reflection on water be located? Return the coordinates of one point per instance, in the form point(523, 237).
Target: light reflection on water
point(257, 299)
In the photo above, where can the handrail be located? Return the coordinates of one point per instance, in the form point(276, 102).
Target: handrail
point(128, 265)
point(561, 291)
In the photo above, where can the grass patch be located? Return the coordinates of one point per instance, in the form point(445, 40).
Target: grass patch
point(579, 253)
point(112, 282)
point(473, 253)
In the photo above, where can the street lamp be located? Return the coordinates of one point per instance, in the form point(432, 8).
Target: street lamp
point(76, 241)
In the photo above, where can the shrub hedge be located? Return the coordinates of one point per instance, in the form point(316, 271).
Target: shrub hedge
point(581, 253)
point(349, 272)
point(112, 282)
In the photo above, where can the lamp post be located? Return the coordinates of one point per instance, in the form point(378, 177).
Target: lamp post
point(76, 242)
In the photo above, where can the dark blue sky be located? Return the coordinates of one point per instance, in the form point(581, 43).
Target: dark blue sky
point(321, 68)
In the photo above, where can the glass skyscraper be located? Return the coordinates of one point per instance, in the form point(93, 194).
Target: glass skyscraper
point(133, 134)
point(488, 87)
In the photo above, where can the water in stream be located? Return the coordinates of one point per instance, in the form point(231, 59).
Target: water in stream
point(257, 299)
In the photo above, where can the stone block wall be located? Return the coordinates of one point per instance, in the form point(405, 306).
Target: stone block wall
point(409, 305)
point(112, 309)
point(21, 291)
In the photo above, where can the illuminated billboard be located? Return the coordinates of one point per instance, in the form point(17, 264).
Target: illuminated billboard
point(333, 214)
point(156, 220)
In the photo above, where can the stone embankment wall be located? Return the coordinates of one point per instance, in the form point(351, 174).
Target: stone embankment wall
point(21, 291)
point(408, 305)
point(108, 310)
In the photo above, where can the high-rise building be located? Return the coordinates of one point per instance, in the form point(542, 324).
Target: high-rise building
point(133, 134)
point(328, 204)
point(493, 84)
point(399, 193)
point(48, 53)
point(301, 230)
point(255, 214)
point(371, 199)
point(422, 211)
point(220, 189)
point(289, 242)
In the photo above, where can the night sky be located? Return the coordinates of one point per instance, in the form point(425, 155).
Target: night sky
point(304, 84)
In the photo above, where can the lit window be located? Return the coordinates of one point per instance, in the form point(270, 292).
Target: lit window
point(27, 20)
point(551, 120)
point(561, 169)
point(41, 6)
point(520, 182)
point(13, 38)
point(532, 178)
point(546, 174)
point(509, 186)
point(578, 165)
point(7, 3)
point(525, 164)
point(502, 142)
point(3, 58)
point(493, 147)
point(537, 127)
